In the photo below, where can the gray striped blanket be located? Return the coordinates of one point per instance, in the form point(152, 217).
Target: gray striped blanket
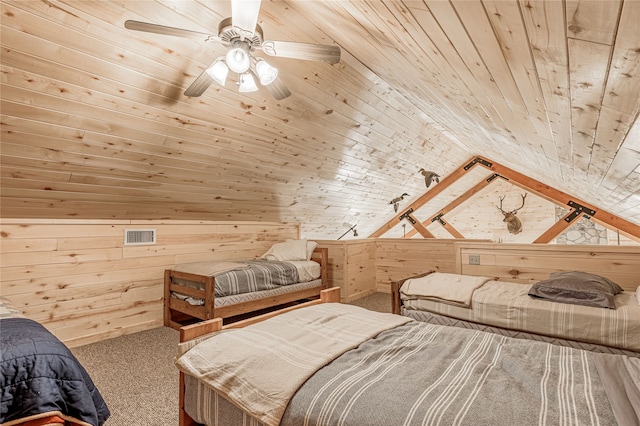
point(260, 275)
point(421, 374)
point(424, 374)
point(254, 275)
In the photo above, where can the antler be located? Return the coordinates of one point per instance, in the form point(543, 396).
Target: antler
point(500, 208)
point(523, 197)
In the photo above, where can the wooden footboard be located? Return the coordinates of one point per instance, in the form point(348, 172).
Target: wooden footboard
point(190, 332)
point(178, 313)
point(396, 301)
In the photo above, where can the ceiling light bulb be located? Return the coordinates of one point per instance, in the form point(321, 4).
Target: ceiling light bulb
point(247, 83)
point(266, 72)
point(238, 59)
point(218, 71)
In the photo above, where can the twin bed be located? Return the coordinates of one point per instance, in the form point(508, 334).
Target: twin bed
point(574, 308)
point(339, 364)
point(288, 272)
point(42, 383)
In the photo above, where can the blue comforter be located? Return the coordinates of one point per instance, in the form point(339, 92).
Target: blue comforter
point(40, 376)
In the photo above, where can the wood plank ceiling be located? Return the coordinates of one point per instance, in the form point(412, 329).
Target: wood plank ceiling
point(95, 123)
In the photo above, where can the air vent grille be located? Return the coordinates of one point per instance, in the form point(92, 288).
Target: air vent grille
point(134, 237)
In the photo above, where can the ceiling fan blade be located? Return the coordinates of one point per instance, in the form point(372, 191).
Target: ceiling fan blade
point(172, 31)
point(306, 51)
point(278, 90)
point(244, 16)
point(199, 85)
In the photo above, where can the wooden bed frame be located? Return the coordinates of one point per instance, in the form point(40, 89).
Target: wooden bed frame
point(178, 313)
point(397, 304)
point(396, 300)
point(190, 332)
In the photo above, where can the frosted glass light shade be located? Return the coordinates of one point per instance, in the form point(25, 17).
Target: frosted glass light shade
point(238, 59)
point(266, 72)
point(218, 71)
point(247, 83)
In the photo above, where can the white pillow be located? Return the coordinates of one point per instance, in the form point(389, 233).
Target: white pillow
point(289, 250)
point(638, 294)
point(311, 246)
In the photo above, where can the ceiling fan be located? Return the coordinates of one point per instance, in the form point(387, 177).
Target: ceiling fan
point(242, 35)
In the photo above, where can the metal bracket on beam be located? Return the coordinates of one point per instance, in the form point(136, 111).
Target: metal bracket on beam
point(495, 175)
point(407, 215)
point(439, 219)
point(478, 160)
point(577, 210)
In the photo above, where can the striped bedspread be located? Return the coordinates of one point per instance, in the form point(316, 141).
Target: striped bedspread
point(260, 367)
point(249, 276)
point(425, 374)
point(507, 305)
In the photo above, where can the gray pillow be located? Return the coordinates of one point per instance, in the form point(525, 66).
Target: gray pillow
point(579, 288)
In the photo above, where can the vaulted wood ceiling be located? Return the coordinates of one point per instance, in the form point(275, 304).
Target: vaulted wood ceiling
point(95, 123)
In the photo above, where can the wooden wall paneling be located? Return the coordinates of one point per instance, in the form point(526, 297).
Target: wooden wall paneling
point(85, 285)
point(400, 258)
point(351, 267)
point(519, 61)
point(479, 48)
point(420, 84)
point(449, 60)
point(588, 66)
point(614, 117)
point(527, 263)
point(360, 269)
point(546, 29)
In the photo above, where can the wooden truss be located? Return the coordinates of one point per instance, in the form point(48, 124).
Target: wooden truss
point(577, 208)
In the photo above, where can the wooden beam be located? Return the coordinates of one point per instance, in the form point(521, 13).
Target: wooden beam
point(427, 196)
point(629, 229)
point(453, 231)
point(606, 219)
point(557, 228)
point(457, 202)
point(421, 229)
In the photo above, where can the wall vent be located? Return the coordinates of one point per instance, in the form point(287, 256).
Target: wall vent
point(133, 237)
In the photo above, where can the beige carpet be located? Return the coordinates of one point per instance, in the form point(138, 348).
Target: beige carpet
point(136, 375)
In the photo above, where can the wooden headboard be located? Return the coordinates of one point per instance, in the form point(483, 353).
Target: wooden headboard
point(529, 263)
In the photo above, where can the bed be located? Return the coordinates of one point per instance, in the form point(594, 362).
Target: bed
point(42, 383)
point(332, 363)
point(602, 318)
point(288, 272)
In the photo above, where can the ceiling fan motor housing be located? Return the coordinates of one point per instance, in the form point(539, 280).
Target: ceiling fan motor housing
point(228, 34)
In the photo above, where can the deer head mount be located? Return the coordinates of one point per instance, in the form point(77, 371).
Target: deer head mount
point(513, 223)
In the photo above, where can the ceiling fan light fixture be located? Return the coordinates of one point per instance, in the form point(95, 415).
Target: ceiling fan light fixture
point(218, 71)
point(266, 72)
point(247, 83)
point(238, 58)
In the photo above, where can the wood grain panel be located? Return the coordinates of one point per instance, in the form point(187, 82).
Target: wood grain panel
point(81, 281)
point(531, 263)
point(95, 124)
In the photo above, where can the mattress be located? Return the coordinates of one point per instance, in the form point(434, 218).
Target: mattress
point(251, 277)
point(507, 305)
point(432, 318)
point(385, 380)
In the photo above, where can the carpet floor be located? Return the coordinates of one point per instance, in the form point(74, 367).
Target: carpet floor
point(136, 376)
